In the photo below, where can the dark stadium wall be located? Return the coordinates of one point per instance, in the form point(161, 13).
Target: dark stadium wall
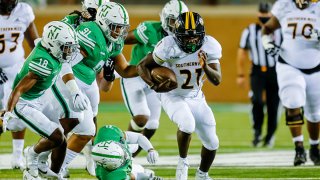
point(225, 23)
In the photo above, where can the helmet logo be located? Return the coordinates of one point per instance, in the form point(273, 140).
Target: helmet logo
point(104, 12)
point(54, 32)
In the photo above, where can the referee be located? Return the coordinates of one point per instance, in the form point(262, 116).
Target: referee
point(263, 77)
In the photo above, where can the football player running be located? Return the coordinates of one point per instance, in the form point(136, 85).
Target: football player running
point(16, 22)
point(140, 100)
point(57, 47)
point(298, 69)
point(190, 53)
point(124, 169)
point(100, 41)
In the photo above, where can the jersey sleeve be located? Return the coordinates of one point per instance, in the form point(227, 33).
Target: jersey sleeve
point(160, 52)
point(41, 67)
point(143, 32)
point(117, 49)
point(213, 49)
point(279, 8)
point(27, 13)
point(87, 41)
point(244, 40)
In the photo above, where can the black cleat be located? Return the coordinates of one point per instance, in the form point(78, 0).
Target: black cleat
point(314, 155)
point(300, 157)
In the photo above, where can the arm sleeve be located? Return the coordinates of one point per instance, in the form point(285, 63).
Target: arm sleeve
point(213, 49)
point(41, 67)
point(279, 8)
point(27, 14)
point(137, 138)
point(244, 40)
point(141, 33)
point(160, 52)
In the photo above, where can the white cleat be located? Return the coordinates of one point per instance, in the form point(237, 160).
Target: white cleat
point(202, 175)
point(91, 166)
point(28, 176)
point(31, 162)
point(18, 163)
point(64, 173)
point(182, 169)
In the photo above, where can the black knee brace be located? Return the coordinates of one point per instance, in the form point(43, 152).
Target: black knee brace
point(296, 120)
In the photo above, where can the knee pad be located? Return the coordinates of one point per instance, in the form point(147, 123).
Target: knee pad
point(296, 120)
point(135, 126)
point(212, 144)
point(152, 124)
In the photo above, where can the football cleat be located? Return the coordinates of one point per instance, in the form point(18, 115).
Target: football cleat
point(182, 169)
point(31, 162)
point(314, 154)
point(28, 176)
point(18, 163)
point(202, 175)
point(64, 173)
point(300, 157)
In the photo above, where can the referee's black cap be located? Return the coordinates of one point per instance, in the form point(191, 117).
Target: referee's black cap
point(264, 6)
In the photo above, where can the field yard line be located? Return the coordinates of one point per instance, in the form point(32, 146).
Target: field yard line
point(249, 159)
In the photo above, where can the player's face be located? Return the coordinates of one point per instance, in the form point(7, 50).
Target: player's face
point(68, 51)
point(6, 6)
point(171, 23)
point(118, 31)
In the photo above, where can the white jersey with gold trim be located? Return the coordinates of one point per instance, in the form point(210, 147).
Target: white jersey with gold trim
point(298, 48)
point(186, 66)
point(12, 30)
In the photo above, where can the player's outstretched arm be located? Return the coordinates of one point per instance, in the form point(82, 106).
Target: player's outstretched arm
point(123, 68)
point(144, 143)
point(212, 70)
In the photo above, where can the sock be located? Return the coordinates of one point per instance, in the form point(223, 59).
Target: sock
point(298, 138)
point(70, 155)
point(32, 152)
point(43, 160)
point(313, 142)
point(17, 148)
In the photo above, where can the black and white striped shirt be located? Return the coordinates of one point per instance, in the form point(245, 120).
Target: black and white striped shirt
point(251, 40)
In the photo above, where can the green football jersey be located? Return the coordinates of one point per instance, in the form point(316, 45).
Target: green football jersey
point(73, 19)
point(98, 49)
point(148, 33)
point(45, 66)
point(113, 133)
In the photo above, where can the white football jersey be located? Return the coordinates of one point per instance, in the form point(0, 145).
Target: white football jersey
point(186, 66)
point(12, 30)
point(298, 48)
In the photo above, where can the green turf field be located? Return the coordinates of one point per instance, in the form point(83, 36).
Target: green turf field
point(233, 129)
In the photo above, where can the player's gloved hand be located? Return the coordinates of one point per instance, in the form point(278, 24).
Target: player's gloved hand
point(268, 44)
point(3, 77)
point(152, 156)
point(108, 70)
point(315, 34)
point(5, 119)
point(80, 101)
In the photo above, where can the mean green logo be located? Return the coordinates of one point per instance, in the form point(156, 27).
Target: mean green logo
point(104, 11)
point(54, 32)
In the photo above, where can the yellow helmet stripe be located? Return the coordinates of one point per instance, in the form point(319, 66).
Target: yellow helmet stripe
point(186, 26)
point(193, 24)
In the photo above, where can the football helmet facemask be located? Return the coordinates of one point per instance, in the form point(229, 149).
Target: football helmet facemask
point(113, 19)
point(60, 40)
point(169, 14)
point(6, 6)
point(189, 32)
point(89, 8)
point(302, 4)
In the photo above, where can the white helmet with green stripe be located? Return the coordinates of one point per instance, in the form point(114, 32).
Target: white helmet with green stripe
point(91, 6)
point(113, 19)
point(169, 14)
point(60, 40)
point(109, 154)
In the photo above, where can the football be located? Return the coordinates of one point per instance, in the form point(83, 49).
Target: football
point(162, 74)
point(109, 154)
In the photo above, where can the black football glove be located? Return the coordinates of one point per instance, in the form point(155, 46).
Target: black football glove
point(108, 70)
point(3, 77)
